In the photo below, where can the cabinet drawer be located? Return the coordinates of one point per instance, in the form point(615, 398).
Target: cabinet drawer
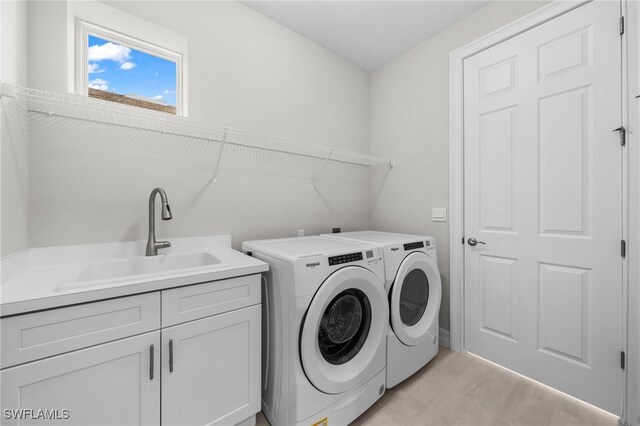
point(202, 300)
point(42, 334)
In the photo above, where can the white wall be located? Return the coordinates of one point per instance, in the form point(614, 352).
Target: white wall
point(410, 123)
point(46, 48)
point(91, 183)
point(13, 129)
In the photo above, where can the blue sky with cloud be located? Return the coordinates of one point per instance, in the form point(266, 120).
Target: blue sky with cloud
point(120, 69)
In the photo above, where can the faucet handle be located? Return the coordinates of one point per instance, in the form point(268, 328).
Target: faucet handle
point(163, 244)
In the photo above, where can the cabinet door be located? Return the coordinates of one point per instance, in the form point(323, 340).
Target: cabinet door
point(109, 384)
point(211, 369)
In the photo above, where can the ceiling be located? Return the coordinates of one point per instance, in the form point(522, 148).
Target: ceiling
point(367, 33)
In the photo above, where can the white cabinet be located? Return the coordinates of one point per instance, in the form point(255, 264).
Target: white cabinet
point(203, 366)
point(211, 369)
point(109, 384)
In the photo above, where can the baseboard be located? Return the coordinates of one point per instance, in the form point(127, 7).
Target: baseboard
point(444, 338)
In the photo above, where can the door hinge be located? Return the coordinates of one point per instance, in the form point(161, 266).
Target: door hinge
point(623, 361)
point(621, 25)
point(623, 135)
point(623, 248)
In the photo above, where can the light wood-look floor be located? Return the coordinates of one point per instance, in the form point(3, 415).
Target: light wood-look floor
point(460, 389)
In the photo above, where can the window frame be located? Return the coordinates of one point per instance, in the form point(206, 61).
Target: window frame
point(85, 28)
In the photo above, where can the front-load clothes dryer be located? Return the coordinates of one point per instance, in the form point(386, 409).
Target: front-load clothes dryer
point(325, 320)
point(414, 289)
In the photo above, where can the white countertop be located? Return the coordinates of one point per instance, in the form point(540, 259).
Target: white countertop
point(31, 278)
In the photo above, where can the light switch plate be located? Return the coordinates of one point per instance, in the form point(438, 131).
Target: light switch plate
point(439, 214)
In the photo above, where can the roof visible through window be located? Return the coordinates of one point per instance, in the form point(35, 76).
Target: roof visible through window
point(119, 73)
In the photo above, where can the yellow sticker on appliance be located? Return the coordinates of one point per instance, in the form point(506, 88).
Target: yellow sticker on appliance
point(323, 422)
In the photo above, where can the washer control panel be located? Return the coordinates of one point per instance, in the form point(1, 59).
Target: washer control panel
point(373, 256)
point(370, 256)
point(345, 258)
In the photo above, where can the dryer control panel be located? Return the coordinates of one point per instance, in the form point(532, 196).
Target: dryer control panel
point(417, 245)
point(413, 246)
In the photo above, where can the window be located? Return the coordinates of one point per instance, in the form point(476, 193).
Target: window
point(120, 68)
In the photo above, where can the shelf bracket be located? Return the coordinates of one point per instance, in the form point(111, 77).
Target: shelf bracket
point(326, 160)
point(214, 179)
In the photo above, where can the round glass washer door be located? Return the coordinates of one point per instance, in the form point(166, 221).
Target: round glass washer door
point(344, 330)
point(415, 298)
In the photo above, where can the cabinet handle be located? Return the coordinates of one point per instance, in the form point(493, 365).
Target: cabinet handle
point(151, 362)
point(170, 355)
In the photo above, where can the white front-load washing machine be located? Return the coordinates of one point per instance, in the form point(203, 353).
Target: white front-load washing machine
point(415, 290)
point(325, 319)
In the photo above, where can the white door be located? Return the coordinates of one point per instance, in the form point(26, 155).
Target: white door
point(211, 369)
point(116, 383)
point(543, 198)
point(415, 299)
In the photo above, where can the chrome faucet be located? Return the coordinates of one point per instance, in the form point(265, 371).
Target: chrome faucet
point(152, 244)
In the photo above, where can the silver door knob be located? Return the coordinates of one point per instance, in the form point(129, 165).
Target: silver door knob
point(473, 242)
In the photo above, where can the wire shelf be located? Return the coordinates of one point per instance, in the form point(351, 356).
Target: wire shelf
point(96, 110)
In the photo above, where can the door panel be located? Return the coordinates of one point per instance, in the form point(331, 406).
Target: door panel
point(564, 300)
point(565, 52)
point(496, 169)
point(543, 190)
point(564, 167)
point(499, 296)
